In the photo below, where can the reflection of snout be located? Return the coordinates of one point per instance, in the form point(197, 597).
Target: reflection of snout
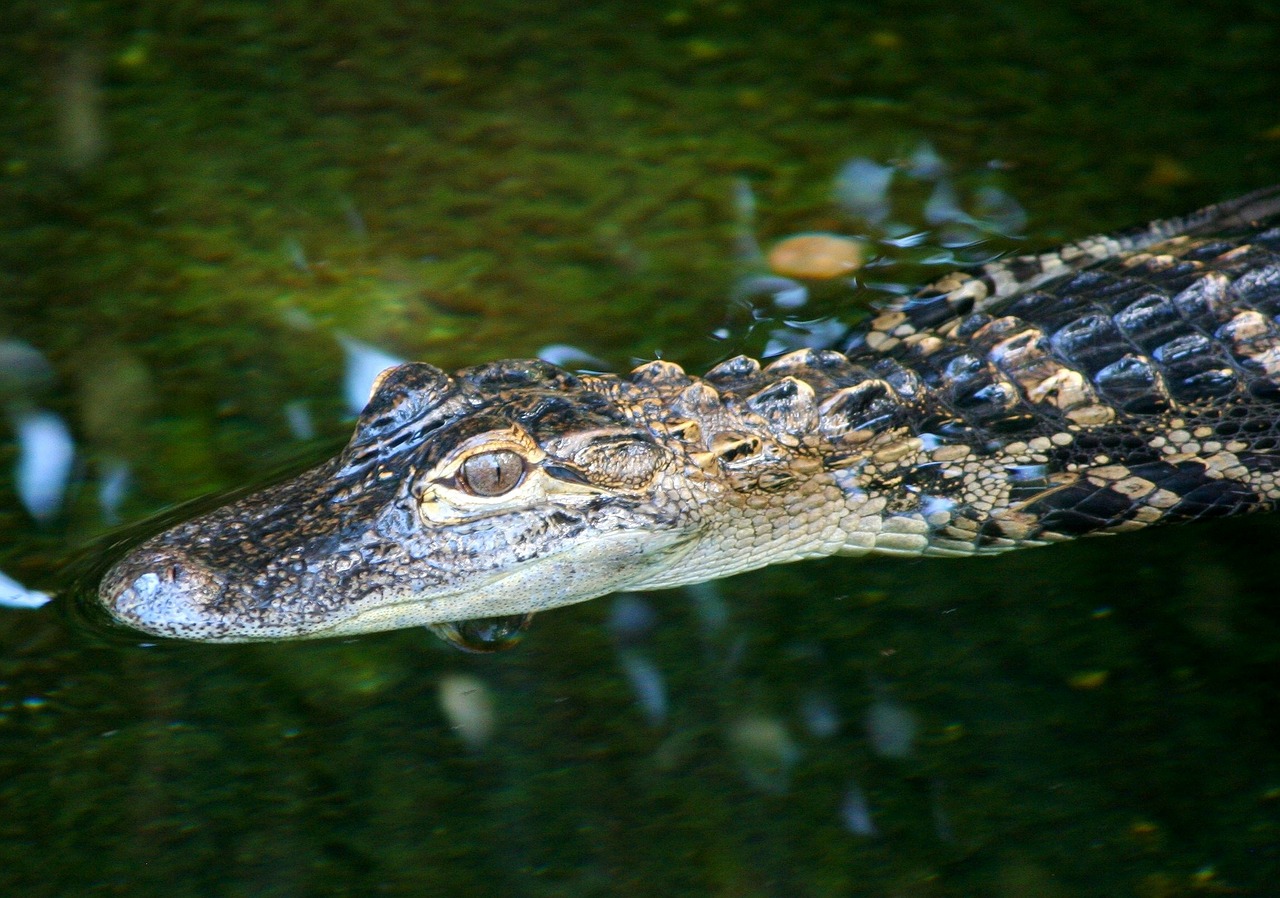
point(164, 593)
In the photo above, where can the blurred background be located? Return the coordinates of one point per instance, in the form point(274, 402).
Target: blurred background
point(221, 218)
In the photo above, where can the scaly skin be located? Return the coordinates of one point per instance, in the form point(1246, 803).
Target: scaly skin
point(1118, 382)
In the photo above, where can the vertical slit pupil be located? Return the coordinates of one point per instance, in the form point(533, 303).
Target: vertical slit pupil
point(493, 473)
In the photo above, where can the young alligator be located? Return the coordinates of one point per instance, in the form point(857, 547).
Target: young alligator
point(1118, 382)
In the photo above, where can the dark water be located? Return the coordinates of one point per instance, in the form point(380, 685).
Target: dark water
point(200, 198)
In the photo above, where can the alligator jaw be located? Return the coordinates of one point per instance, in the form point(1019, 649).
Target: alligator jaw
point(165, 589)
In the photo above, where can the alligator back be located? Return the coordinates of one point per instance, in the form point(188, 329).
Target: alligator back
point(1114, 383)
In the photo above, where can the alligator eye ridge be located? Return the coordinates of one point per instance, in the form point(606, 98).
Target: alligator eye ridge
point(492, 473)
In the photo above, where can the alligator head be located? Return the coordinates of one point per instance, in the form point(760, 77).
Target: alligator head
point(496, 492)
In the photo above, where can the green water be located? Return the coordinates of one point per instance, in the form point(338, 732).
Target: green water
point(199, 197)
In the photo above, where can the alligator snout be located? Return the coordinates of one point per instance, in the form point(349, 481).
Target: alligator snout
point(166, 593)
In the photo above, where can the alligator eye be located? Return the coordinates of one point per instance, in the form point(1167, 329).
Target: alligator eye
point(492, 473)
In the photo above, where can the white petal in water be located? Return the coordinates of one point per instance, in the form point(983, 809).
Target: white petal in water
point(45, 455)
point(820, 334)
point(298, 417)
point(892, 728)
point(856, 812)
point(861, 189)
point(23, 368)
point(113, 485)
point(997, 210)
point(631, 618)
point(926, 164)
point(14, 595)
point(713, 610)
point(468, 706)
point(765, 751)
point(784, 292)
point(944, 205)
point(746, 247)
point(567, 356)
point(819, 714)
point(364, 364)
point(647, 683)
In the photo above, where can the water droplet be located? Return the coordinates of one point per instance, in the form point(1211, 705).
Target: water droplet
point(784, 293)
point(298, 417)
point(925, 163)
point(998, 211)
point(113, 486)
point(567, 356)
point(1025, 473)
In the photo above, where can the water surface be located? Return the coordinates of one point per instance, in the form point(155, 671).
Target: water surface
point(203, 201)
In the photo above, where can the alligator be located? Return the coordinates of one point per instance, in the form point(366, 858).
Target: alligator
point(1114, 383)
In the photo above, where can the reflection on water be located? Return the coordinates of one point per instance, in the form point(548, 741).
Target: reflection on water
point(198, 199)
